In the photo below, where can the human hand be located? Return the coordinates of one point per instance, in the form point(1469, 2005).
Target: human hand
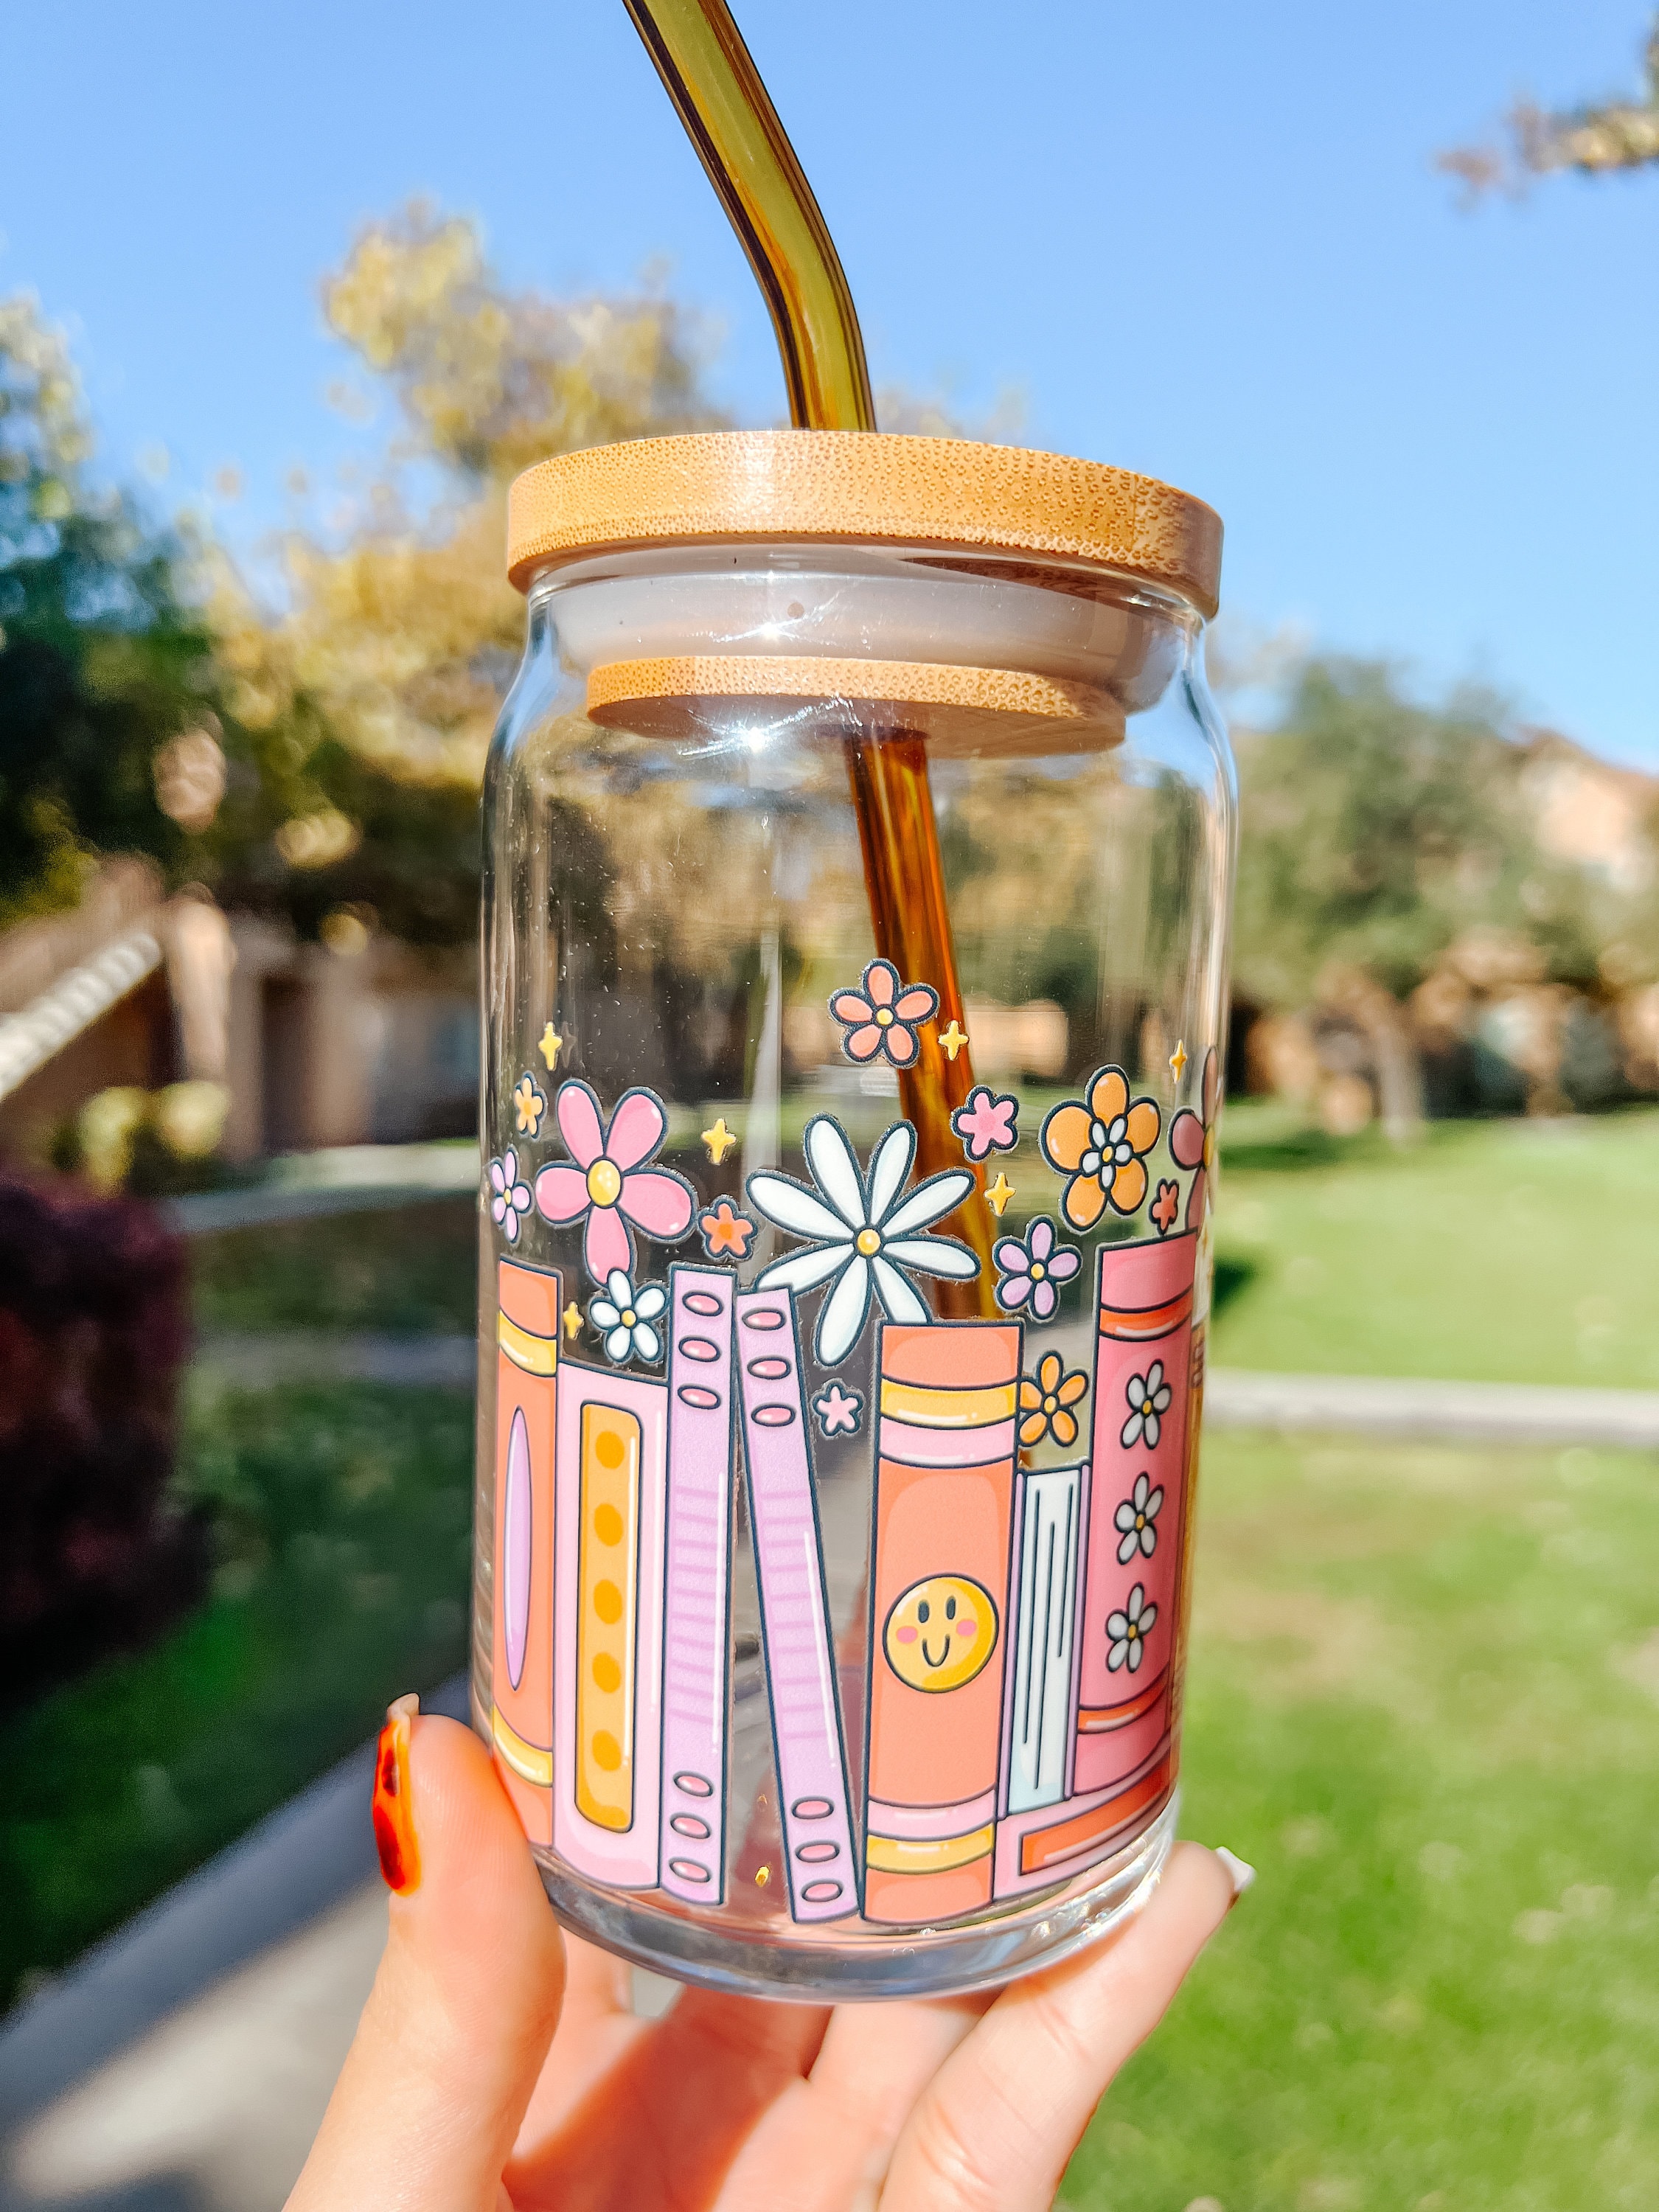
point(498, 2067)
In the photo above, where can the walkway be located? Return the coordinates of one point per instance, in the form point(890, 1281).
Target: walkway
point(1234, 1397)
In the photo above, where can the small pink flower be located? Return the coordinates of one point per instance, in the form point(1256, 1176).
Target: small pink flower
point(1191, 1138)
point(986, 1123)
point(839, 1411)
point(510, 1197)
point(883, 1017)
point(609, 1183)
point(1165, 1207)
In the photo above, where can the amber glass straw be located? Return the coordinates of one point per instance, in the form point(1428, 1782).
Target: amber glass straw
point(717, 91)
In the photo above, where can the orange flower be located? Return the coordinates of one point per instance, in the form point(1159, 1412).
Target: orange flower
point(1101, 1144)
point(725, 1230)
point(1045, 1401)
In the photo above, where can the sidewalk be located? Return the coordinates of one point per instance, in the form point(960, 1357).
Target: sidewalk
point(1234, 1397)
point(183, 2064)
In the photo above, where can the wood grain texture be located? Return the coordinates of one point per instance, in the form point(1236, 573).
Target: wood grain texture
point(859, 484)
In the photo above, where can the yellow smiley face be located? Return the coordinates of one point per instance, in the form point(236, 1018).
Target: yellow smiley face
point(940, 1632)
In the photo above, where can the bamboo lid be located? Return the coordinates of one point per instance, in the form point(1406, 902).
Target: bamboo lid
point(959, 710)
point(843, 484)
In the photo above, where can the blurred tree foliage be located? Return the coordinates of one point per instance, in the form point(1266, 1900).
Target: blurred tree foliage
point(1594, 138)
point(100, 662)
point(354, 726)
point(372, 702)
point(1374, 832)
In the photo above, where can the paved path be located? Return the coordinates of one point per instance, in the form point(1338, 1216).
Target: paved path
point(1234, 1397)
point(183, 2064)
point(1472, 1412)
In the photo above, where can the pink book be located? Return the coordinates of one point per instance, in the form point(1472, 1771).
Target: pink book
point(1137, 1496)
point(609, 1497)
point(696, 1603)
point(800, 1659)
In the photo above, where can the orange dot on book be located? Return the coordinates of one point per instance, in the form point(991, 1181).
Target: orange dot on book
point(606, 1672)
point(607, 1602)
point(608, 1525)
point(607, 1751)
point(608, 1448)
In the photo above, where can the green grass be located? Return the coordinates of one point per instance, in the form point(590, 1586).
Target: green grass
point(1500, 1251)
point(407, 1270)
point(1423, 1702)
point(344, 1524)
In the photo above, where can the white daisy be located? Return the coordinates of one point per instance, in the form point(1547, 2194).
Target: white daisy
point(623, 1316)
point(1149, 1399)
point(1133, 1520)
point(1129, 1630)
point(865, 1230)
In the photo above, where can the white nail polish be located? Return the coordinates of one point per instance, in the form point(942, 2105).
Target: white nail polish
point(1241, 1872)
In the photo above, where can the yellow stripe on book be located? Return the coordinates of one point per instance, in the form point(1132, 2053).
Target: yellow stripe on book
point(923, 1855)
point(525, 1759)
point(937, 1408)
point(536, 1355)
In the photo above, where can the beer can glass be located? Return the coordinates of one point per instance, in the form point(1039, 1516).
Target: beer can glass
point(859, 839)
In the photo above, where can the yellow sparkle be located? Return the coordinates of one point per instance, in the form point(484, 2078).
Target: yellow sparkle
point(952, 1039)
point(1178, 1061)
point(763, 1876)
point(551, 1042)
point(572, 1318)
point(999, 1195)
point(719, 1139)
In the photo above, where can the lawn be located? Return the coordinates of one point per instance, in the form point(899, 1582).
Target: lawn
point(1424, 1697)
point(344, 1528)
point(410, 1270)
point(1502, 1251)
point(1424, 1702)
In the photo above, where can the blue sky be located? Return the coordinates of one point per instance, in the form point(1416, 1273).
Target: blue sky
point(1206, 242)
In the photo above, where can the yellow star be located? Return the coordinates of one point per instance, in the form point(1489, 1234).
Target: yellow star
point(572, 1318)
point(999, 1195)
point(1178, 1061)
point(552, 1042)
point(719, 1139)
point(953, 1040)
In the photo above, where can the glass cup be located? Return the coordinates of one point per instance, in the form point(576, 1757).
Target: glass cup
point(858, 844)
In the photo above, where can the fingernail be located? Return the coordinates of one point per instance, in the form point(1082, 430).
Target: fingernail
point(1243, 1873)
point(394, 1807)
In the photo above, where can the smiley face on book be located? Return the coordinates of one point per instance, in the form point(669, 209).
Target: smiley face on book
point(940, 1632)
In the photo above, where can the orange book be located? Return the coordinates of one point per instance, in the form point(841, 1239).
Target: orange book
point(944, 1510)
point(527, 1366)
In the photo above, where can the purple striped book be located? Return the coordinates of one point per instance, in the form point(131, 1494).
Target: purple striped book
point(696, 1603)
point(800, 1659)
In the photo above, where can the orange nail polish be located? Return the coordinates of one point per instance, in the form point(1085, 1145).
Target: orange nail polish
point(394, 1807)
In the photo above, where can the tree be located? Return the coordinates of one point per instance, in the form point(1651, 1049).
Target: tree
point(1374, 832)
point(101, 665)
point(1599, 137)
point(369, 704)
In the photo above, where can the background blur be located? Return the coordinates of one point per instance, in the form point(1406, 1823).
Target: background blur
point(283, 307)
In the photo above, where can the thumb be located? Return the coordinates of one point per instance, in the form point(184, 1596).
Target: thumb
point(467, 1999)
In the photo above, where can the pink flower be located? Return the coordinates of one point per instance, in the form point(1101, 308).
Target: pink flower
point(1192, 1140)
point(883, 1017)
point(839, 1411)
point(609, 1184)
point(1165, 1207)
point(986, 1123)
